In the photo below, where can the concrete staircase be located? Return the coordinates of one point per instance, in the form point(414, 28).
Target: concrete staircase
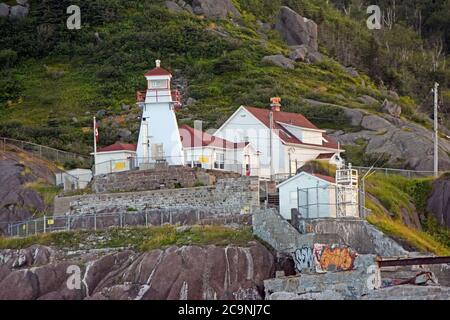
point(270, 227)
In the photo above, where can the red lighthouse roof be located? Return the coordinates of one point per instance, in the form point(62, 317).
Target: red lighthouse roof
point(158, 71)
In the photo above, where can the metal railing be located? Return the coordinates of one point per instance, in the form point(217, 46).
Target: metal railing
point(45, 152)
point(100, 221)
point(134, 163)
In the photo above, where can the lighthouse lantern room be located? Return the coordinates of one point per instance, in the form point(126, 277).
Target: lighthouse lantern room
point(159, 138)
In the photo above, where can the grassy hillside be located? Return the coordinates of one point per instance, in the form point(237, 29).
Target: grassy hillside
point(57, 79)
point(396, 203)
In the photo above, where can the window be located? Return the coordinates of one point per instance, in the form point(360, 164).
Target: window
point(220, 161)
point(157, 151)
point(158, 84)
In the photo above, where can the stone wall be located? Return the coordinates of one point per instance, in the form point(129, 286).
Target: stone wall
point(158, 178)
point(228, 196)
point(356, 233)
point(363, 279)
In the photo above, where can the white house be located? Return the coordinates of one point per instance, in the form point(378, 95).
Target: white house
point(159, 139)
point(115, 158)
point(209, 152)
point(74, 179)
point(292, 142)
point(320, 196)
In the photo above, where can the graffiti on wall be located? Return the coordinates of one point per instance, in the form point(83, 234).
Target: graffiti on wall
point(333, 258)
point(323, 258)
point(304, 259)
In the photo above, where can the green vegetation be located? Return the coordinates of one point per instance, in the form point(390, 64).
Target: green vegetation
point(399, 200)
point(141, 239)
point(57, 79)
point(48, 193)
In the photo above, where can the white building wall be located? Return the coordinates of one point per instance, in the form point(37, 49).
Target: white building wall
point(114, 161)
point(244, 127)
point(324, 196)
point(161, 127)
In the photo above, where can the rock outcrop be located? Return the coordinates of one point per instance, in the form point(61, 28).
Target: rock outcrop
point(18, 11)
point(439, 201)
point(295, 29)
point(280, 61)
point(215, 9)
point(391, 108)
point(17, 201)
point(189, 272)
point(407, 144)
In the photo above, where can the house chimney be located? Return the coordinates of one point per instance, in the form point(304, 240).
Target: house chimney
point(275, 103)
point(158, 63)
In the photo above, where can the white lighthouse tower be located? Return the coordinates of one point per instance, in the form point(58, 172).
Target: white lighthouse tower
point(159, 139)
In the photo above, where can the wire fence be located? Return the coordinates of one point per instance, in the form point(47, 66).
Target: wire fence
point(101, 221)
point(401, 172)
point(45, 152)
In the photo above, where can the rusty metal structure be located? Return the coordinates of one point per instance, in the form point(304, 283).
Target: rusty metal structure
point(382, 262)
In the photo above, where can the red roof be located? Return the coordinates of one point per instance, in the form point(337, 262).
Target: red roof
point(118, 146)
point(191, 138)
point(324, 177)
point(294, 119)
point(326, 156)
point(158, 72)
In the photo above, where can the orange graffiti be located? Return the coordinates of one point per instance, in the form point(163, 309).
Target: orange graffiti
point(340, 258)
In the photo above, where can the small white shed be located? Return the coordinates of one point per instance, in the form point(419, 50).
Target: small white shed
point(312, 194)
point(317, 196)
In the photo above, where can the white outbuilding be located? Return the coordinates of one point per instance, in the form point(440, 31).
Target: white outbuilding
point(318, 196)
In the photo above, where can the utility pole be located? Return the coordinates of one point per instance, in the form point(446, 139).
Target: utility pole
point(436, 132)
point(270, 144)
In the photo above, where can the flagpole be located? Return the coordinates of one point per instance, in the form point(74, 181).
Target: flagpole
point(95, 145)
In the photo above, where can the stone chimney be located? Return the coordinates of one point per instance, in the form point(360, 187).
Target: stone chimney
point(275, 104)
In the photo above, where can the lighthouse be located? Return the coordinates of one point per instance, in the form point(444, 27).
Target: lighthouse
point(159, 138)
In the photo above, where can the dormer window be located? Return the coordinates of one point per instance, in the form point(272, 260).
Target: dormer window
point(158, 84)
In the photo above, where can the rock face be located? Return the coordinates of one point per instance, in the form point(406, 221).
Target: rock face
point(406, 143)
point(215, 9)
point(304, 53)
point(18, 12)
point(17, 202)
point(393, 109)
point(439, 201)
point(190, 272)
point(280, 61)
point(295, 29)
point(4, 10)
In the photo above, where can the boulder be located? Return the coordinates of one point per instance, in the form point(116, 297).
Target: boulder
point(22, 2)
point(439, 202)
point(299, 53)
point(295, 29)
point(368, 100)
point(18, 12)
point(315, 57)
point(4, 10)
point(173, 7)
point(190, 101)
point(215, 9)
point(391, 108)
point(100, 113)
point(280, 61)
point(124, 133)
point(351, 71)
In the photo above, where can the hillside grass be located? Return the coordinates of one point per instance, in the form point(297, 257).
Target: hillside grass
point(73, 74)
point(139, 238)
point(398, 196)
